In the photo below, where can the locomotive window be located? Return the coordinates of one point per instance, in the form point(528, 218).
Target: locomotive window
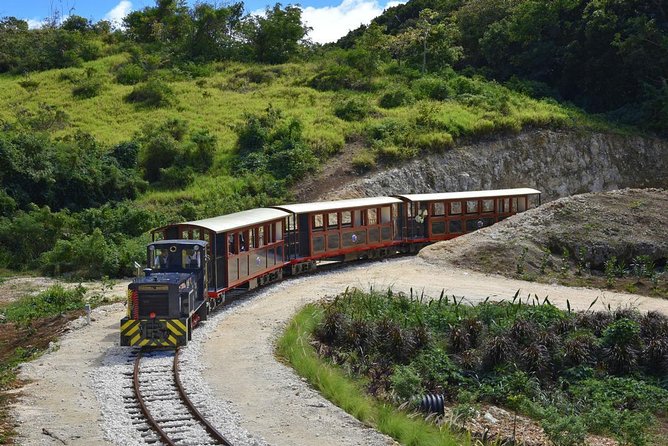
point(317, 222)
point(438, 209)
point(332, 220)
point(160, 258)
point(488, 205)
point(471, 206)
point(346, 219)
point(190, 258)
point(372, 217)
point(385, 214)
point(456, 207)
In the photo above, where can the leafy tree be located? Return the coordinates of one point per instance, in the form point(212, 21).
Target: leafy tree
point(216, 31)
point(275, 38)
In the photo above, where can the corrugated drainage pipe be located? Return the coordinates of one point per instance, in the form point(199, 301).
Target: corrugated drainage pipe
point(432, 403)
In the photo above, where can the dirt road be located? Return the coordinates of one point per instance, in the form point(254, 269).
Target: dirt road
point(239, 365)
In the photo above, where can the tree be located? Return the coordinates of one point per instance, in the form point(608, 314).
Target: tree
point(216, 34)
point(275, 38)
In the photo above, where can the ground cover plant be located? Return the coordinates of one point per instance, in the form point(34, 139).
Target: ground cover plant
point(606, 369)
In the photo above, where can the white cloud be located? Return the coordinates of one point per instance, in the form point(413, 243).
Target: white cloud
point(35, 23)
point(330, 23)
point(118, 13)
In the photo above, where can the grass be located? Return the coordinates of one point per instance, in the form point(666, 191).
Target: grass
point(294, 347)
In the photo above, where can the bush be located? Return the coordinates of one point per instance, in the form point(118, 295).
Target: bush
point(88, 88)
point(177, 177)
point(340, 77)
point(396, 98)
point(430, 87)
point(51, 302)
point(130, 74)
point(352, 109)
point(461, 85)
point(154, 93)
point(364, 161)
point(435, 142)
point(406, 383)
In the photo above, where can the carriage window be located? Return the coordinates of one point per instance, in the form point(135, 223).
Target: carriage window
point(438, 209)
point(346, 218)
point(317, 222)
point(232, 244)
point(372, 217)
point(456, 207)
point(385, 214)
point(503, 205)
point(332, 220)
point(513, 203)
point(521, 204)
point(251, 239)
point(184, 234)
point(279, 231)
point(471, 206)
point(533, 201)
point(291, 223)
point(159, 235)
point(260, 237)
point(357, 218)
point(488, 205)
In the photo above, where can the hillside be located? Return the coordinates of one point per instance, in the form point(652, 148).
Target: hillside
point(191, 112)
point(614, 239)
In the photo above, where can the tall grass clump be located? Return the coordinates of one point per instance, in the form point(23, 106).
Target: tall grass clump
point(152, 94)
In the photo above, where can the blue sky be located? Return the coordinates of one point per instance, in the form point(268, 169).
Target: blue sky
point(330, 19)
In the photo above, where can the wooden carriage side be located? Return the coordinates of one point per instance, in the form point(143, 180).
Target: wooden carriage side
point(243, 246)
point(442, 216)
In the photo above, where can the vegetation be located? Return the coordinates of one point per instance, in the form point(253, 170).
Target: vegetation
point(334, 385)
point(607, 369)
point(189, 112)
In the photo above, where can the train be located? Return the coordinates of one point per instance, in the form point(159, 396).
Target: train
point(192, 266)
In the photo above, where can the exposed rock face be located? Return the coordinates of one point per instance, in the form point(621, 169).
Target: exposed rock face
point(558, 163)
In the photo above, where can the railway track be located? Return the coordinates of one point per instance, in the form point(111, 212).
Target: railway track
point(161, 399)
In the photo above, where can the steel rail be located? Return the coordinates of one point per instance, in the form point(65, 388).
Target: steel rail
point(191, 407)
point(154, 424)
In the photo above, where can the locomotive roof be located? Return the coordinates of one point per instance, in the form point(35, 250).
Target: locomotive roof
point(470, 194)
point(300, 208)
point(238, 220)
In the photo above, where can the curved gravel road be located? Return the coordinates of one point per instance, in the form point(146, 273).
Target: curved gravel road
point(70, 399)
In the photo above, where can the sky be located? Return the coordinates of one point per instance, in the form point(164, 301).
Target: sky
point(330, 19)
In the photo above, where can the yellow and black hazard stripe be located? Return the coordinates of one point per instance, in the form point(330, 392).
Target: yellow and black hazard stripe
point(154, 332)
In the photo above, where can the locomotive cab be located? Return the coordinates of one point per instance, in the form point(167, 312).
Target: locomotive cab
point(170, 299)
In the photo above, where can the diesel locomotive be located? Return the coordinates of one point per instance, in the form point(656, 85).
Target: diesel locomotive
point(192, 265)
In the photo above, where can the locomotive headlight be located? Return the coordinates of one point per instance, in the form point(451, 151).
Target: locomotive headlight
point(151, 315)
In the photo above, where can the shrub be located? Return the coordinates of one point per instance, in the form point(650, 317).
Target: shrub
point(130, 74)
point(435, 142)
point(154, 93)
point(564, 430)
point(430, 87)
point(29, 84)
point(88, 88)
point(352, 109)
point(340, 77)
point(461, 85)
point(364, 161)
point(51, 302)
point(396, 98)
point(406, 382)
point(177, 177)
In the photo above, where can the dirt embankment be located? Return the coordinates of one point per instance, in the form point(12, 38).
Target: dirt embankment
point(571, 239)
